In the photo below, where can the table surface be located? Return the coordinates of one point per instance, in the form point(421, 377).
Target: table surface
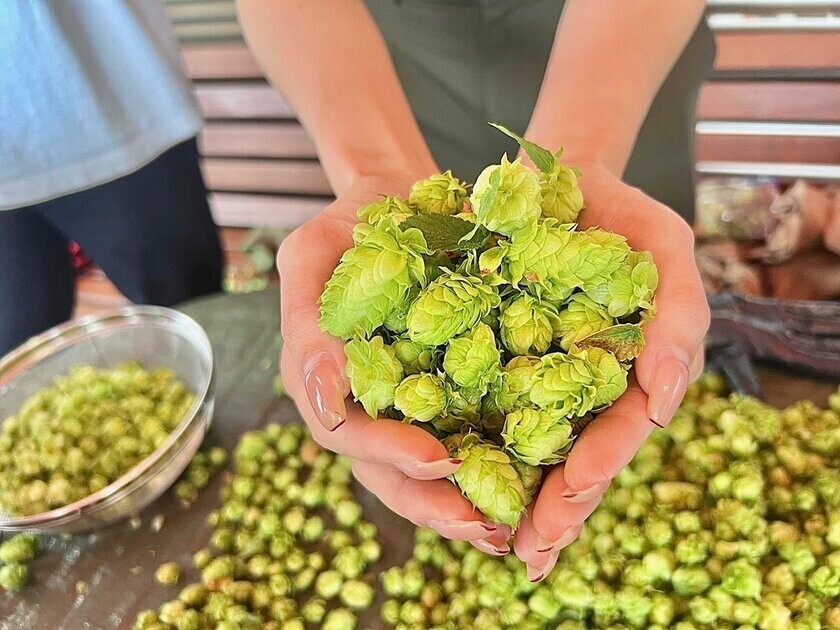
point(118, 562)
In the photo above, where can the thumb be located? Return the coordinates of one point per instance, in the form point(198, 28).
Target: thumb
point(305, 261)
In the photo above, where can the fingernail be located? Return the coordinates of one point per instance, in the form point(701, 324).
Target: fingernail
point(564, 539)
point(437, 469)
point(667, 386)
point(537, 572)
point(462, 530)
point(587, 494)
point(325, 391)
point(494, 550)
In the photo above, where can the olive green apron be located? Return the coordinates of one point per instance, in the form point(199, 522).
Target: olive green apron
point(463, 63)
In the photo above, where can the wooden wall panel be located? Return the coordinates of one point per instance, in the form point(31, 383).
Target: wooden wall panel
point(253, 100)
point(776, 100)
point(278, 211)
point(267, 176)
point(774, 50)
point(256, 139)
point(768, 149)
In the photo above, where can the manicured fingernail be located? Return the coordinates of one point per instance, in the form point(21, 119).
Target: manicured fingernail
point(587, 494)
point(461, 530)
point(437, 469)
point(537, 572)
point(563, 540)
point(325, 391)
point(487, 547)
point(667, 386)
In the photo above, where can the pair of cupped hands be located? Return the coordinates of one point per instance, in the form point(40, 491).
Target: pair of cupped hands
point(405, 466)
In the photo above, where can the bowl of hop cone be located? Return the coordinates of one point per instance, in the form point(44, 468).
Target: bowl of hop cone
point(99, 416)
point(486, 316)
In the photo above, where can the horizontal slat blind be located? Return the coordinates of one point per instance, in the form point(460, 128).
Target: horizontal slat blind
point(270, 176)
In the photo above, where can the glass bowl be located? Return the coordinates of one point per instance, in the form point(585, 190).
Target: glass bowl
point(153, 336)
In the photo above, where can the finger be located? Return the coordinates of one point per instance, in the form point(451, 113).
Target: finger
point(555, 519)
point(436, 504)
point(695, 371)
point(675, 335)
point(403, 446)
point(607, 445)
point(305, 261)
point(539, 563)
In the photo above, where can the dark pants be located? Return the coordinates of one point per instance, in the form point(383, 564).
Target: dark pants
point(150, 231)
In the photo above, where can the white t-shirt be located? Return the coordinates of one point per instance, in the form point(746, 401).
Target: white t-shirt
point(90, 90)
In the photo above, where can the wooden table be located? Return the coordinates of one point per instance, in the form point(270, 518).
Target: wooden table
point(118, 562)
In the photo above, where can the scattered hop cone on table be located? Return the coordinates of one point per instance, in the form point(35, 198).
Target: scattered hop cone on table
point(489, 320)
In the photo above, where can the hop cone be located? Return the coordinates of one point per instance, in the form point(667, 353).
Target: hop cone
point(448, 307)
point(527, 325)
point(439, 194)
point(513, 389)
point(472, 360)
point(374, 373)
point(420, 397)
point(488, 479)
point(462, 407)
point(371, 281)
point(581, 318)
point(566, 383)
point(531, 477)
point(397, 319)
point(537, 437)
point(560, 196)
point(602, 254)
point(386, 208)
point(630, 287)
point(415, 357)
point(610, 375)
point(506, 196)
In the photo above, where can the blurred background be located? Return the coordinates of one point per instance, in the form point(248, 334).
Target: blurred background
point(767, 152)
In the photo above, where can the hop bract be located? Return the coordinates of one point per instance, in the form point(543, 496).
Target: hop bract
point(499, 327)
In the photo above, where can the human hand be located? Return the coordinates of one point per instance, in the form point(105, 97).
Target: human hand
point(672, 356)
point(401, 464)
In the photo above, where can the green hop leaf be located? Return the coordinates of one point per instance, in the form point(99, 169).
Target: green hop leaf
point(531, 476)
point(560, 195)
point(374, 373)
point(542, 158)
point(488, 479)
point(581, 318)
point(472, 360)
point(391, 208)
point(566, 383)
point(420, 397)
point(415, 357)
point(372, 280)
point(610, 375)
point(447, 234)
point(439, 194)
point(506, 196)
point(630, 287)
point(527, 325)
point(513, 388)
point(625, 341)
point(537, 437)
point(449, 306)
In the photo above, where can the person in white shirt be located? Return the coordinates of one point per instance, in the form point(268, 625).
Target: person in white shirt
point(97, 147)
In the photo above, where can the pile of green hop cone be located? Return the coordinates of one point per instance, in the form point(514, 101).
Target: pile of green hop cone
point(488, 318)
point(728, 519)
